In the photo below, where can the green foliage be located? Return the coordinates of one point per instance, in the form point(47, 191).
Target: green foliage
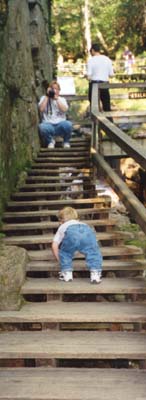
point(130, 228)
point(67, 21)
point(139, 239)
point(114, 23)
point(131, 23)
point(3, 12)
point(81, 85)
point(2, 235)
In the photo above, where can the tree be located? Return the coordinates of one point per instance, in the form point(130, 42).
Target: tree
point(113, 23)
point(87, 31)
point(131, 16)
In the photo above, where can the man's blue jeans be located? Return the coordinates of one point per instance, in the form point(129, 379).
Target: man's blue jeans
point(49, 132)
point(82, 238)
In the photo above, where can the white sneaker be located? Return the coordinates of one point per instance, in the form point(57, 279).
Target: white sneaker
point(51, 145)
point(66, 276)
point(66, 145)
point(95, 276)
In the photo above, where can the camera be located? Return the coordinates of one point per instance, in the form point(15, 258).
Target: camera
point(51, 94)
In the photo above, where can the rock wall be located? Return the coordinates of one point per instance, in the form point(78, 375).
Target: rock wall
point(25, 64)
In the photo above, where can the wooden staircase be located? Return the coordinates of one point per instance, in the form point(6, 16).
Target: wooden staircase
point(72, 341)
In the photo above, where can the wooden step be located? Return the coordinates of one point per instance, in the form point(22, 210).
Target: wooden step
point(75, 141)
point(54, 225)
point(36, 186)
point(54, 193)
point(79, 265)
point(72, 384)
point(58, 158)
point(58, 171)
point(80, 164)
point(61, 153)
point(48, 213)
point(83, 286)
point(47, 238)
point(57, 178)
point(56, 162)
point(54, 171)
point(73, 345)
point(59, 203)
point(110, 252)
point(75, 144)
point(74, 148)
point(76, 312)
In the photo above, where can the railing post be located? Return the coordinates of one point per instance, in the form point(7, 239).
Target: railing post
point(95, 110)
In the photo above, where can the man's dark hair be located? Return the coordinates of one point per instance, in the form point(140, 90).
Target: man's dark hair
point(95, 47)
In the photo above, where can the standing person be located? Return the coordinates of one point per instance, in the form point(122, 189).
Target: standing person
point(129, 61)
point(53, 110)
point(99, 69)
point(74, 235)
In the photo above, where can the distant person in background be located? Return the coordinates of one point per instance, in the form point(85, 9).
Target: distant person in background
point(53, 110)
point(99, 69)
point(126, 52)
point(129, 61)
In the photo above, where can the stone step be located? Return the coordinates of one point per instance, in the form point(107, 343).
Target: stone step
point(72, 384)
point(76, 312)
point(107, 251)
point(60, 203)
point(79, 265)
point(73, 345)
point(54, 225)
point(83, 286)
point(47, 238)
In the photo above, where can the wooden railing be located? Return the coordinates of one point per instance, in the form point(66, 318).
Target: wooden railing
point(101, 125)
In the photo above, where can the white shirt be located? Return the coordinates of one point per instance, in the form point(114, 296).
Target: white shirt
point(99, 68)
point(52, 113)
point(62, 229)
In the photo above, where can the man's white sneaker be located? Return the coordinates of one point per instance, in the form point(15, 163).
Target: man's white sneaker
point(95, 276)
point(66, 276)
point(66, 145)
point(51, 145)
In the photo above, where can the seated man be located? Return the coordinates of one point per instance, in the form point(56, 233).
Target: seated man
point(53, 109)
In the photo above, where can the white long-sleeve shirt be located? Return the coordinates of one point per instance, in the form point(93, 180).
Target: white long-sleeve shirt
point(99, 68)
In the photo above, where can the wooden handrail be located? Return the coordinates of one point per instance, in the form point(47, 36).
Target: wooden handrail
point(126, 143)
point(131, 202)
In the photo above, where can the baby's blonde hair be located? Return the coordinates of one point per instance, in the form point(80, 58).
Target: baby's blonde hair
point(67, 213)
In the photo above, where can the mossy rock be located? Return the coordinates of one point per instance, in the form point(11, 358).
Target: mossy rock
point(13, 261)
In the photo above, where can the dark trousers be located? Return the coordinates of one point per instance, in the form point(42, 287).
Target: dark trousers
point(104, 96)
